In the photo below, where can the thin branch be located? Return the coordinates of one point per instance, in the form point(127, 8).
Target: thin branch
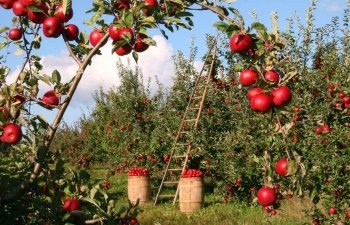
point(70, 50)
point(28, 51)
point(283, 136)
point(94, 221)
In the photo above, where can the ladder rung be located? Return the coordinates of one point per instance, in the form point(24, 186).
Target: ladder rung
point(197, 97)
point(166, 196)
point(190, 120)
point(194, 108)
point(180, 156)
point(170, 182)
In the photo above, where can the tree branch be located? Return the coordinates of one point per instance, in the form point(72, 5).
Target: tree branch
point(70, 50)
point(220, 14)
point(28, 51)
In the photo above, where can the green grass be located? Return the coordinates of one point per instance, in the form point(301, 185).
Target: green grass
point(214, 212)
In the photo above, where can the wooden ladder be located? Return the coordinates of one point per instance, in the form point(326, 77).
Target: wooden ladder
point(182, 147)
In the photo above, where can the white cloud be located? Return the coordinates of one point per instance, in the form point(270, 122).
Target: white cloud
point(333, 5)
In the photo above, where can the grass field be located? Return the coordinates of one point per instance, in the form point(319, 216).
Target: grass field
point(215, 211)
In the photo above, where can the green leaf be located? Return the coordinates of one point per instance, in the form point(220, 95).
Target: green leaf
point(135, 56)
point(67, 6)
point(119, 210)
point(56, 77)
point(93, 193)
point(35, 8)
point(129, 20)
point(3, 29)
point(221, 26)
point(292, 167)
point(183, 14)
point(259, 26)
point(84, 37)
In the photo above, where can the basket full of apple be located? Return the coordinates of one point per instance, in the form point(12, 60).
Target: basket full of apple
point(191, 195)
point(139, 185)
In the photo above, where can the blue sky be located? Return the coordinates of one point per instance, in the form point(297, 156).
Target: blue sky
point(157, 61)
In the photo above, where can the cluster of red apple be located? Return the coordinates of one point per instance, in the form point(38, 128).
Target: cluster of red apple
point(344, 103)
point(191, 173)
point(260, 100)
point(322, 130)
point(11, 132)
point(132, 39)
point(137, 171)
point(52, 17)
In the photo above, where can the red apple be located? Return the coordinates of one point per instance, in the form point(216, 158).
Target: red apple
point(71, 205)
point(95, 37)
point(52, 27)
point(28, 2)
point(261, 103)
point(282, 167)
point(60, 15)
point(124, 50)
point(149, 7)
point(266, 196)
point(123, 4)
point(12, 134)
point(273, 212)
point(348, 215)
point(241, 43)
point(38, 17)
point(113, 32)
point(7, 4)
point(124, 32)
point(281, 96)
point(318, 130)
point(50, 98)
point(346, 100)
point(254, 91)
point(332, 210)
point(133, 221)
point(248, 77)
point(272, 76)
point(316, 222)
point(71, 32)
point(19, 9)
point(15, 34)
point(326, 128)
point(140, 46)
